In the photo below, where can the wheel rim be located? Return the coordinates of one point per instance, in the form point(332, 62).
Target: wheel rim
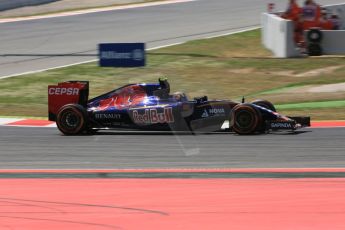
point(244, 119)
point(70, 120)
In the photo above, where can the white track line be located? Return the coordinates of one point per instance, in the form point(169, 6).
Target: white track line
point(42, 70)
point(5, 121)
point(94, 10)
point(237, 32)
point(31, 126)
point(94, 60)
point(77, 63)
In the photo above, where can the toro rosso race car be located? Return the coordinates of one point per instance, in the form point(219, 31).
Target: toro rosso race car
point(151, 107)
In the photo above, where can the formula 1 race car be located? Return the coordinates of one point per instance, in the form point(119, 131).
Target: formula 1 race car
point(152, 107)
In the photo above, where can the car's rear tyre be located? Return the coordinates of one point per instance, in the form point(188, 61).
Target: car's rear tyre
point(245, 119)
point(72, 119)
point(265, 104)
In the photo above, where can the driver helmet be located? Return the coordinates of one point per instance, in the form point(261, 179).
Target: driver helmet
point(180, 96)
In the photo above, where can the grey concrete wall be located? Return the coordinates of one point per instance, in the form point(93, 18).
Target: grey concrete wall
point(277, 36)
point(333, 42)
point(12, 4)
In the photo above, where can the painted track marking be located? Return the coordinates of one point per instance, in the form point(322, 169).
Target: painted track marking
point(45, 123)
point(242, 204)
point(175, 170)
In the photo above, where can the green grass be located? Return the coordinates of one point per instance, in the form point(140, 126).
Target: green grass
point(312, 105)
point(227, 67)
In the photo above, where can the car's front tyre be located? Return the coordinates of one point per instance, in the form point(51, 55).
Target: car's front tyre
point(245, 119)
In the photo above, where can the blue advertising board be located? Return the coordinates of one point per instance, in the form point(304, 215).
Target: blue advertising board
point(122, 54)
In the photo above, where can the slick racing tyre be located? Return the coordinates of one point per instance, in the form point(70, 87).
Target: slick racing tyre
point(245, 119)
point(71, 119)
point(314, 35)
point(265, 104)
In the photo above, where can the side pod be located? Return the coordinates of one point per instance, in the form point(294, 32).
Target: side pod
point(63, 93)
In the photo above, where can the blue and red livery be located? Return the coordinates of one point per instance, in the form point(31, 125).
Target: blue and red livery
point(151, 107)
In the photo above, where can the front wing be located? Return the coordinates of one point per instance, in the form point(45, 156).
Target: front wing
point(293, 124)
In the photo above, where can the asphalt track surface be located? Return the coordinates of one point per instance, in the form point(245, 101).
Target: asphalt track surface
point(46, 43)
point(37, 44)
point(46, 148)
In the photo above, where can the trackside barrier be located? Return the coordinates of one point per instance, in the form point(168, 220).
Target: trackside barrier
point(277, 35)
point(333, 42)
point(12, 4)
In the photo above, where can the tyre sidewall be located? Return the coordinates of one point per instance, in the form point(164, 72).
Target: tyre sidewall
point(245, 110)
point(75, 110)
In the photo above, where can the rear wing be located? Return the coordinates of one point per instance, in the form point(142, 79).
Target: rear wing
point(70, 92)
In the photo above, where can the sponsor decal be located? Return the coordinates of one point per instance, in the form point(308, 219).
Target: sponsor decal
point(152, 116)
point(281, 125)
point(136, 54)
point(213, 112)
point(122, 54)
point(115, 55)
point(205, 114)
point(216, 111)
point(63, 91)
point(107, 116)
